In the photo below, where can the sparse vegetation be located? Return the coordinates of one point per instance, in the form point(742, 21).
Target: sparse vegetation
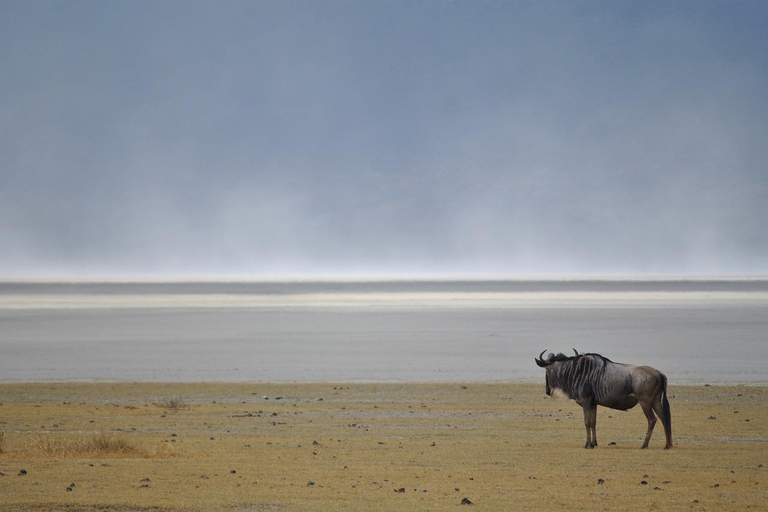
point(175, 403)
point(81, 445)
point(373, 447)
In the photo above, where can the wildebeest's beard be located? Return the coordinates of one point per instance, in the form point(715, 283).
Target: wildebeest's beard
point(546, 380)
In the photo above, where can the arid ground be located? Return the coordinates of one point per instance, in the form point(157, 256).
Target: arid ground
point(251, 447)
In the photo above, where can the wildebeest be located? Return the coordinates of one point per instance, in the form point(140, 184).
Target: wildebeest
point(592, 380)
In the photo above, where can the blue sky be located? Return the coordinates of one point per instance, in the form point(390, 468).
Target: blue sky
point(383, 138)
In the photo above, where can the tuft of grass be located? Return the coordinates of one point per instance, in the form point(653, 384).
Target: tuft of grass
point(81, 445)
point(176, 403)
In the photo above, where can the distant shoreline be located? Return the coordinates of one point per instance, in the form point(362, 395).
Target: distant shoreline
point(301, 287)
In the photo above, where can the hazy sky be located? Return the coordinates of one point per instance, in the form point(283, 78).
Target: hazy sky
point(284, 137)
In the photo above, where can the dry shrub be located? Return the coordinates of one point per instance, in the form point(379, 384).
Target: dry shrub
point(176, 403)
point(80, 445)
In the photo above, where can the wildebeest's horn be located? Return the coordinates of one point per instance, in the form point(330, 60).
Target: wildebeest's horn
point(575, 352)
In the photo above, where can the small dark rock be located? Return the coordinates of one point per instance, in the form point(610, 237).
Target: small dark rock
point(232, 471)
point(612, 443)
point(645, 476)
point(145, 486)
point(402, 489)
point(315, 443)
point(711, 418)
point(657, 488)
point(72, 484)
point(465, 501)
point(22, 472)
point(310, 483)
point(69, 489)
point(643, 482)
point(600, 481)
point(145, 479)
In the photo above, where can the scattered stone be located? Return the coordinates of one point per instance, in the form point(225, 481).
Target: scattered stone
point(643, 482)
point(402, 489)
point(465, 501)
point(711, 418)
point(232, 471)
point(600, 481)
point(69, 489)
point(612, 443)
point(145, 486)
point(204, 477)
point(72, 484)
point(310, 483)
point(145, 479)
point(315, 443)
point(23, 472)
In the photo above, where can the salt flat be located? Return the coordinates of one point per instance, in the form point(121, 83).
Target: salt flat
point(695, 331)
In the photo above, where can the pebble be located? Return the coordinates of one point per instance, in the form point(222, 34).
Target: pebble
point(465, 501)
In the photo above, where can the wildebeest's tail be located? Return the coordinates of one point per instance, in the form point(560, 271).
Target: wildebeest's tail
point(666, 414)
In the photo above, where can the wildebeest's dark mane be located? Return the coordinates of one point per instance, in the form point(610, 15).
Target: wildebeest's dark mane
point(562, 357)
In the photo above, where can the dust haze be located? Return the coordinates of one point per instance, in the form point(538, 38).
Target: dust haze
point(382, 138)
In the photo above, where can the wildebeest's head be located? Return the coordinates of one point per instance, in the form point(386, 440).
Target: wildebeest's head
point(548, 363)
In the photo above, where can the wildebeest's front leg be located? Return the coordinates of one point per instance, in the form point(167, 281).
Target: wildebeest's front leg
point(590, 422)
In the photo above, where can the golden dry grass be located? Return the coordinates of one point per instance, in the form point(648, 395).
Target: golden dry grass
point(254, 447)
point(79, 445)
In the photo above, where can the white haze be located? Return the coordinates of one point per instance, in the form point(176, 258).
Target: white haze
point(383, 138)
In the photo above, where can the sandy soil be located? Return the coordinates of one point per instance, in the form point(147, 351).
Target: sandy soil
point(254, 447)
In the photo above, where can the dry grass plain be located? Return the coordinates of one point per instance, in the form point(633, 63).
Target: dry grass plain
point(369, 447)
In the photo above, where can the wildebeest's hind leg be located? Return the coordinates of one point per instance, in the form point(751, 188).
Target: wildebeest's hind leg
point(648, 410)
point(590, 421)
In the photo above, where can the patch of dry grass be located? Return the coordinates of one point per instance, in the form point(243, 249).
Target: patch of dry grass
point(81, 445)
point(175, 403)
